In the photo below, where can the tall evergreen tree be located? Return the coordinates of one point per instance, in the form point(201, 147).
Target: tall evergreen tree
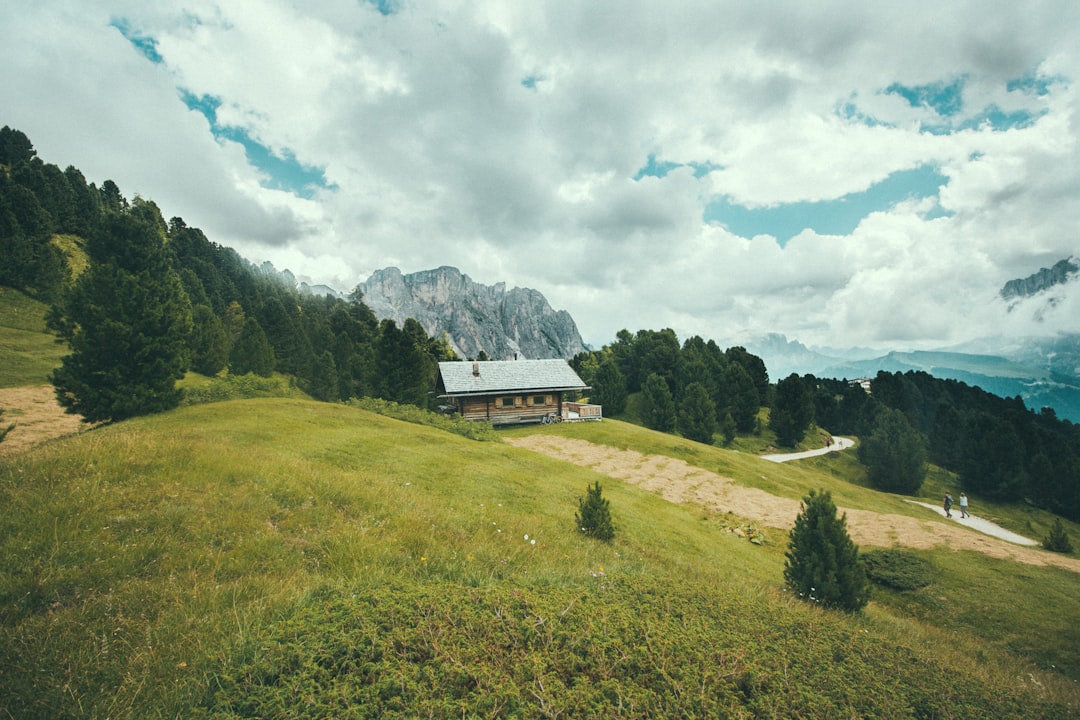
point(894, 454)
point(822, 562)
point(697, 414)
point(209, 343)
point(252, 353)
point(657, 404)
point(129, 319)
point(609, 387)
point(743, 402)
point(792, 410)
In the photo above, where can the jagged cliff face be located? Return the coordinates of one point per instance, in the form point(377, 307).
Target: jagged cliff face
point(503, 323)
point(1045, 279)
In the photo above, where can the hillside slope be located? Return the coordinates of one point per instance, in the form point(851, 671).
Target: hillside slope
point(224, 560)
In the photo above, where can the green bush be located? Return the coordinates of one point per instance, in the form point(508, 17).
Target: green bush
point(473, 430)
point(237, 387)
point(594, 514)
point(1058, 539)
point(898, 569)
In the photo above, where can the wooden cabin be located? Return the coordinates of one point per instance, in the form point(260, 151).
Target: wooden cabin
point(513, 392)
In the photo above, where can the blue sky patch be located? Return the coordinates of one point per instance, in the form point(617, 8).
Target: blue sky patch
point(1033, 84)
point(282, 171)
point(531, 81)
point(944, 99)
point(652, 168)
point(1000, 120)
point(386, 7)
point(828, 217)
point(143, 43)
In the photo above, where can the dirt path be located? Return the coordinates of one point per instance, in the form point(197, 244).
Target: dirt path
point(676, 481)
point(37, 417)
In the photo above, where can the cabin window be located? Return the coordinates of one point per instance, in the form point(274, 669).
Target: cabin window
point(538, 400)
point(505, 402)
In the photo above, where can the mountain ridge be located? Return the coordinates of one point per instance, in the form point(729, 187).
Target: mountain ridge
point(503, 323)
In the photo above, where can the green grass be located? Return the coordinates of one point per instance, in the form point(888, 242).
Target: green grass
point(28, 353)
point(286, 558)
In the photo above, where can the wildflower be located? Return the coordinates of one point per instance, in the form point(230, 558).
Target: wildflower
point(526, 536)
point(533, 541)
point(423, 558)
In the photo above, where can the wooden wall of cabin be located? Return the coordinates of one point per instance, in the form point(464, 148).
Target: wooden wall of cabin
point(510, 409)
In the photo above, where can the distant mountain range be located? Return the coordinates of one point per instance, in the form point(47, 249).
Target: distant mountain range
point(1044, 371)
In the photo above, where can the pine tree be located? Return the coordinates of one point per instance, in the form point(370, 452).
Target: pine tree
point(657, 405)
point(823, 562)
point(894, 454)
point(697, 414)
point(129, 318)
point(252, 352)
point(792, 410)
point(209, 343)
point(594, 514)
point(609, 387)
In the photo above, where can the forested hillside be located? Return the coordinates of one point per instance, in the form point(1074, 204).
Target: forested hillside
point(999, 449)
point(99, 258)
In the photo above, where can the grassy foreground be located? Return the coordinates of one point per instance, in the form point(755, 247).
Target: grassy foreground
point(284, 558)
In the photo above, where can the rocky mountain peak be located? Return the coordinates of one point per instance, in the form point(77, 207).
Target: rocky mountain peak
point(1044, 279)
point(503, 323)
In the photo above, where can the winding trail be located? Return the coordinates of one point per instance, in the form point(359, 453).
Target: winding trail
point(678, 482)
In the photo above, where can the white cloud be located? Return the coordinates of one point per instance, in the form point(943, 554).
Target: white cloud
point(503, 139)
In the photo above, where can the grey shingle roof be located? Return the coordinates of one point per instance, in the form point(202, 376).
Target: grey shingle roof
point(457, 378)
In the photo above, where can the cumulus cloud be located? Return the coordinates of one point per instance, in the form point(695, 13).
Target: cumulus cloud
point(581, 148)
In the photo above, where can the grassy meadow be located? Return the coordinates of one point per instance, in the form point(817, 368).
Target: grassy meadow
point(27, 352)
point(279, 557)
point(255, 554)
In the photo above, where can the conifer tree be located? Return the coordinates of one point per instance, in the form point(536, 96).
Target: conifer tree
point(129, 319)
point(894, 454)
point(657, 404)
point(609, 387)
point(594, 514)
point(792, 410)
point(823, 562)
point(697, 414)
point(252, 352)
point(208, 342)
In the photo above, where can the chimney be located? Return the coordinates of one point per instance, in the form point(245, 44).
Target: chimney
point(476, 369)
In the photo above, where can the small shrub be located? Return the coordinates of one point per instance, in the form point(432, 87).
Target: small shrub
point(823, 563)
point(471, 429)
point(237, 387)
point(898, 569)
point(594, 514)
point(1058, 539)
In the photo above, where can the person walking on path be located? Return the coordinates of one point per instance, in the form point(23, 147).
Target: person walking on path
point(963, 506)
point(948, 504)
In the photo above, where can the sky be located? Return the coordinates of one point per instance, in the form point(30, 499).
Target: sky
point(845, 173)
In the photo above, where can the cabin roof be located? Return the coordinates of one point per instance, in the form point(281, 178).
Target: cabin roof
point(496, 376)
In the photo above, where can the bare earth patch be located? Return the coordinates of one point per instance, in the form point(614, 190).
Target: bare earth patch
point(676, 481)
point(37, 417)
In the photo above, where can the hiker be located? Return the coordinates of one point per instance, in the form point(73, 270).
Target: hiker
point(963, 506)
point(948, 504)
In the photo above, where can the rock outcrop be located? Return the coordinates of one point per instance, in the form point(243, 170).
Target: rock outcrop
point(503, 323)
point(1046, 278)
